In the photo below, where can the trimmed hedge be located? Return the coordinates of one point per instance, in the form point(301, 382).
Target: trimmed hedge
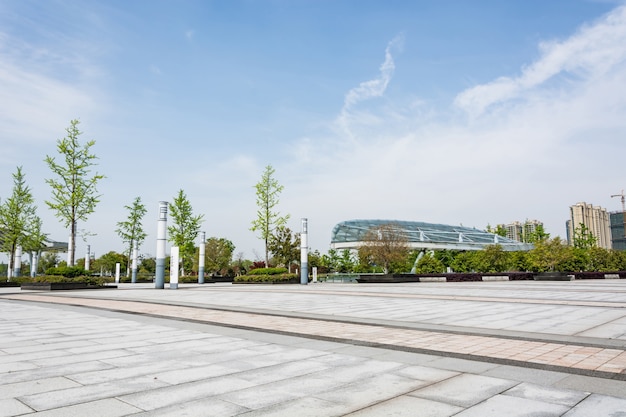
point(266, 278)
point(67, 271)
point(267, 271)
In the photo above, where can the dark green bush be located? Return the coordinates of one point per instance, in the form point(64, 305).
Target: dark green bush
point(67, 271)
point(267, 271)
point(265, 278)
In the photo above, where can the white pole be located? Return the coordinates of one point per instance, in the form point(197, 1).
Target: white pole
point(304, 254)
point(201, 258)
point(159, 281)
point(174, 259)
point(134, 267)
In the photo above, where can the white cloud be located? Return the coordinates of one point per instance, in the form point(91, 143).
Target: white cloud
point(367, 90)
point(590, 53)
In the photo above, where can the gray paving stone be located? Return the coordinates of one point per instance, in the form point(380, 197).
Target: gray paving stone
point(203, 407)
point(168, 396)
point(609, 387)
point(301, 407)
point(108, 407)
point(599, 405)
point(462, 365)
point(547, 394)
point(371, 390)
point(71, 396)
point(407, 406)
point(112, 374)
point(18, 389)
point(465, 390)
point(502, 405)
point(53, 371)
point(518, 373)
point(424, 373)
point(365, 369)
point(10, 407)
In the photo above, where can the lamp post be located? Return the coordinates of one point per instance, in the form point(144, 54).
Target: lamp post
point(159, 279)
point(304, 254)
point(201, 258)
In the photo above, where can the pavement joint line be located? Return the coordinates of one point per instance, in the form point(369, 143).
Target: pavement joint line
point(438, 329)
point(579, 303)
point(606, 368)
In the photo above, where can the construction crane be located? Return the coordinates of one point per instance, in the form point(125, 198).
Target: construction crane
point(623, 198)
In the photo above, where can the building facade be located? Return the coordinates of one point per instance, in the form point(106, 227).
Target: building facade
point(595, 219)
point(618, 230)
point(522, 232)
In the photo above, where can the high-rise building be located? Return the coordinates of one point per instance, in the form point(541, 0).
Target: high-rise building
point(618, 230)
point(595, 219)
point(521, 232)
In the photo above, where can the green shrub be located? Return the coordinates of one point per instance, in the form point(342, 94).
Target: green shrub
point(267, 271)
point(266, 278)
point(67, 271)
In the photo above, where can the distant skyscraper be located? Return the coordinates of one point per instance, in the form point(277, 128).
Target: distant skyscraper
point(595, 219)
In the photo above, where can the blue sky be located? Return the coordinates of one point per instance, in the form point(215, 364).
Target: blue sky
point(452, 112)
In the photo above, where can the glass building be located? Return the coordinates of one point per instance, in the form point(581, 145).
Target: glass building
point(351, 233)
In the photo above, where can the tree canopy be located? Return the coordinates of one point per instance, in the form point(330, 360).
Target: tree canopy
point(186, 226)
point(268, 220)
point(19, 224)
point(74, 188)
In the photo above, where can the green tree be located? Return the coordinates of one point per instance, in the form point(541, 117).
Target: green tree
point(131, 230)
point(218, 254)
point(464, 262)
point(492, 258)
point(538, 235)
point(106, 263)
point(583, 238)
point(268, 220)
point(19, 223)
point(386, 247)
point(47, 260)
point(346, 261)
point(549, 255)
point(499, 230)
point(330, 261)
point(74, 192)
point(284, 246)
point(185, 228)
point(429, 264)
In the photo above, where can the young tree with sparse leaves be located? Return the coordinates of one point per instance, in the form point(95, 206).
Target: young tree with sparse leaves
point(268, 220)
point(19, 224)
point(131, 230)
point(74, 192)
point(185, 228)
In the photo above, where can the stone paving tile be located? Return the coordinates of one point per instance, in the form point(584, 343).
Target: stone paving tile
point(464, 390)
point(547, 394)
point(10, 407)
point(202, 407)
point(502, 405)
point(18, 389)
point(71, 396)
point(108, 407)
point(599, 405)
point(181, 393)
point(407, 406)
point(370, 391)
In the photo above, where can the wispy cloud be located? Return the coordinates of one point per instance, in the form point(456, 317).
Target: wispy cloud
point(590, 53)
point(368, 90)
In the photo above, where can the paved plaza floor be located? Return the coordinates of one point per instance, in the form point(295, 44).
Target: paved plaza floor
point(328, 349)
